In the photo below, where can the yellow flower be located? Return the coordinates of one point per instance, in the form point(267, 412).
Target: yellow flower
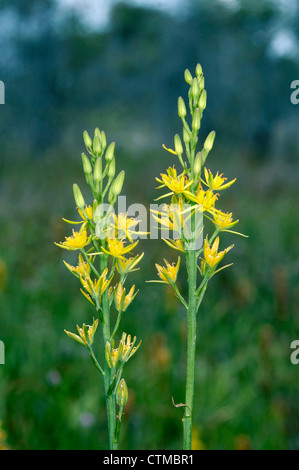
point(113, 355)
point(83, 268)
point(77, 241)
point(224, 220)
point(86, 333)
point(97, 287)
point(176, 183)
point(206, 199)
point(88, 212)
point(216, 182)
point(173, 216)
point(175, 244)
point(122, 301)
point(212, 257)
point(169, 150)
point(117, 249)
point(168, 274)
point(124, 226)
point(125, 266)
point(125, 350)
point(128, 347)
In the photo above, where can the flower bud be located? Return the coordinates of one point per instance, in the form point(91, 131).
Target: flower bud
point(111, 169)
point(198, 70)
point(178, 145)
point(122, 393)
point(188, 77)
point(202, 103)
point(209, 142)
point(108, 354)
point(97, 172)
point(103, 140)
point(75, 338)
point(97, 132)
point(96, 146)
point(87, 140)
point(91, 330)
point(186, 136)
point(87, 168)
point(118, 183)
point(110, 152)
point(195, 89)
point(181, 108)
point(79, 200)
point(111, 195)
point(201, 83)
point(196, 120)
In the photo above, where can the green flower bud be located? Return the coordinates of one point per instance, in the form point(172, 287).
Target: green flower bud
point(181, 108)
point(87, 140)
point(196, 120)
point(108, 354)
point(202, 103)
point(111, 195)
point(79, 200)
point(209, 142)
point(197, 164)
point(111, 169)
point(87, 168)
point(198, 70)
point(195, 89)
point(97, 171)
point(75, 338)
point(118, 183)
point(96, 147)
point(178, 145)
point(103, 139)
point(122, 393)
point(110, 152)
point(188, 77)
point(97, 132)
point(201, 84)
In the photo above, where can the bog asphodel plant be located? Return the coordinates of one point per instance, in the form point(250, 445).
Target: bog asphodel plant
point(194, 193)
point(104, 243)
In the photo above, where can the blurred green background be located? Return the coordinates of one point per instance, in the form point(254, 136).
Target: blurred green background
point(69, 66)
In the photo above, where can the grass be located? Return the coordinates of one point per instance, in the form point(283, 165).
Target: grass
point(246, 386)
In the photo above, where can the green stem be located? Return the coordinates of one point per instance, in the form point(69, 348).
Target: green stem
point(94, 360)
point(191, 348)
point(110, 398)
point(119, 315)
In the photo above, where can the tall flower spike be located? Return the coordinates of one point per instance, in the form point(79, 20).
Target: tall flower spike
point(102, 243)
point(197, 188)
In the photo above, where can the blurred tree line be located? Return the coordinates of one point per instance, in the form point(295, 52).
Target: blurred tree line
point(60, 75)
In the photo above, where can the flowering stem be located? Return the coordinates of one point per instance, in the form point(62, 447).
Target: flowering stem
point(94, 360)
point(191, 259)
point(119, 316)
point(110, 399)
point(88, 261)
